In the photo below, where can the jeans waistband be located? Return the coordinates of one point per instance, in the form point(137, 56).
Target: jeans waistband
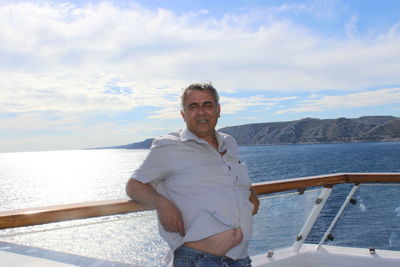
point(187, 251)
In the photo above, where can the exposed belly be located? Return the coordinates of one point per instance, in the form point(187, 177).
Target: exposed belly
point(218, 244)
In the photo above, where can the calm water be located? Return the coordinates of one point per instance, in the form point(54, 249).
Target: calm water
point(35, 179)
point(280, 162)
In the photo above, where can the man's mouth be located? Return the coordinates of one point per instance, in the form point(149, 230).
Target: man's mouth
point(202, 121)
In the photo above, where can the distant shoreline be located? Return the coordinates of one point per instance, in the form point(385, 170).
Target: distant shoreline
point(368, 129)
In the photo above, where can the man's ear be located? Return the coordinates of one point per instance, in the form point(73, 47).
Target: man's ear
point(183, 115)
point(219, 110)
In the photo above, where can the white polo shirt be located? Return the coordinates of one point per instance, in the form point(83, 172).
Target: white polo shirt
point(211, 191)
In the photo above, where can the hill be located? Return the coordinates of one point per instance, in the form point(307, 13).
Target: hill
point(308, 131)
point(311, 131)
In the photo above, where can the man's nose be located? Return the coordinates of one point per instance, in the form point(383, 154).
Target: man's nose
point(201, 110)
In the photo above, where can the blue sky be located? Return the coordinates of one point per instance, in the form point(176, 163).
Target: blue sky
point(78, 74)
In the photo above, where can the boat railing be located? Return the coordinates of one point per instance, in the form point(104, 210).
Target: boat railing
point(56, 213)
point(316, 191)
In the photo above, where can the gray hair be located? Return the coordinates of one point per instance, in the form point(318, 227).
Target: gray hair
point(200, 87)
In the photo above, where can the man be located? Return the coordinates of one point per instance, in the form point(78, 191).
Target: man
point(200, 189)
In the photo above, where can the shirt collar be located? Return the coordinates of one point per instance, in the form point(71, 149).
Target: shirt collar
point(187, 135)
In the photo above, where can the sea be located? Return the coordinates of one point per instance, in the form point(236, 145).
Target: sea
point(35, 179)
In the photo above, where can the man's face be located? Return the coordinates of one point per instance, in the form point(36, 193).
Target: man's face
point(200, 112)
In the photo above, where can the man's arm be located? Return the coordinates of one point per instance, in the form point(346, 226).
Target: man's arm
point(254, 199)
point(169, 215)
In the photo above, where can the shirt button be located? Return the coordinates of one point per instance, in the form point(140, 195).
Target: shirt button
point(229, 167)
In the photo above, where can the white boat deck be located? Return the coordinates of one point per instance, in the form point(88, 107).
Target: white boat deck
point(328, 256)
point(14, 255)
point(13, 259)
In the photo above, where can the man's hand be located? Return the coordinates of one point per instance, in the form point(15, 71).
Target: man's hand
point(254, 199)
point(170, 216)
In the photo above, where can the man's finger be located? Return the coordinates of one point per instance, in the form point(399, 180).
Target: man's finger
point(181, 228)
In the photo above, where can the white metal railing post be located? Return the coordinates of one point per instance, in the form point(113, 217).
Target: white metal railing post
point(312, 217)
point(344, 205)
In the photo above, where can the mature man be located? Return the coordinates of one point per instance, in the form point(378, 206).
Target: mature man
point(200, 189)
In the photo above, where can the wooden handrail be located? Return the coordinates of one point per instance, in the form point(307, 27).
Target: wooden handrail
point(324, 180)
point(58, 213)
point(34, 216)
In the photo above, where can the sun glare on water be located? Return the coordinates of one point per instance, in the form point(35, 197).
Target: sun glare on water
point(60, 177)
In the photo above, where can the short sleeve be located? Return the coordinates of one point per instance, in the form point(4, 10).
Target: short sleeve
point(154, 168)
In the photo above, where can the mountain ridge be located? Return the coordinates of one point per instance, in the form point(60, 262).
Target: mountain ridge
point(312, 131)
point(307, 131)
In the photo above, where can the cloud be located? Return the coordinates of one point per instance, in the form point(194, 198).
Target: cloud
point(355, 100)
point(324, 10)
point(229, 105)
point(351, 26)
point(79, 61)
point(44, 131)
point(169, 111)
point(68, 90)
point(232, 105)
point(161, 43)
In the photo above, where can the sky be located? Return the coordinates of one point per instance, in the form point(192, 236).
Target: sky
point(82, 74)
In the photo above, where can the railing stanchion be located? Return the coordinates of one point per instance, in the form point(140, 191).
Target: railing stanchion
point(348, 198)
point(312, 217)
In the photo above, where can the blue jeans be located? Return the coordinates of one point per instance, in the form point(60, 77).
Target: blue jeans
point(189, 257)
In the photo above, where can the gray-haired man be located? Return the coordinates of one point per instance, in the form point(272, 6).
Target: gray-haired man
point(200, 189)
